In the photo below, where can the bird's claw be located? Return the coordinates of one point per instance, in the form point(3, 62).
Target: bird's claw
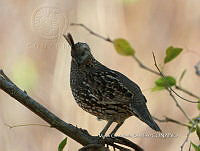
point(112, 135)
point(101, 136)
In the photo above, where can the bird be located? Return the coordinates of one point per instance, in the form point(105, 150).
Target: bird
point(105, 93)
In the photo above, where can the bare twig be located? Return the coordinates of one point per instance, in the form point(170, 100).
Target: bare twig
point(168, 119)
point(145, 67)
point(187, 92)
point(92, 32)
point(187, 137)
point(22, 125)
point(190, 147)
point(183, 97)
point(77, 134)
point(177, 87)
point(170, 91)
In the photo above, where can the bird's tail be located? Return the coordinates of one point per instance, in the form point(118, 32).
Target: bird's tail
point(143, 114)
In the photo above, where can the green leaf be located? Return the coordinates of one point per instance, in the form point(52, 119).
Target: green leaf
point(198, 105)
point(165, 81)
point(172, 53)
point(198, 131)
point(196, 148)
point(157, 88)
point(62, 144)
point(123, 47)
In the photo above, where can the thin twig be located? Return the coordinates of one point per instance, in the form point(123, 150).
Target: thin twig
point(187, 136)
point(170, 92)
point(92, 32)
point(190, 147)
point(157, 73)
point(145, 67)
point(168, 119)
point(22, 125)
point(187, 92)
point(183, 97)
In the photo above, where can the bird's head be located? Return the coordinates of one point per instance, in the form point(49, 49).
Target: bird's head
point(80, 52)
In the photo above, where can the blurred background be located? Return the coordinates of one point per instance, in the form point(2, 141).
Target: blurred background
point(34, 54)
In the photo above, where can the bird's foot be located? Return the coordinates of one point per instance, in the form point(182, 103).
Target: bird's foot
point(111, 135)
point(101, 136)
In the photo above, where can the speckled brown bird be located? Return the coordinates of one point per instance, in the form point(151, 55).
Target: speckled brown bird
point(105, 93)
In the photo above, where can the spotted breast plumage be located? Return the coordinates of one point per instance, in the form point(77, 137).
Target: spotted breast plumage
point(105, 93)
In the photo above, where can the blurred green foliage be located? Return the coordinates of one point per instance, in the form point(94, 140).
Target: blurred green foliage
point(25, 73)
point(196, 148)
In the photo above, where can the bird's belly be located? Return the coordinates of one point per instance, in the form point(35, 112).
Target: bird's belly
point(92, 104)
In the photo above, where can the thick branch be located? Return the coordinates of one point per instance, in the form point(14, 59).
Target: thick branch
point(68, 129)
point(77, 134)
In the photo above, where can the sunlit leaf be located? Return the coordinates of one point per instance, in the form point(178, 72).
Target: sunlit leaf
point(172, 53)
point(157, 88)
point(123, 47)
point(25, 73)
point(165, 81)
point(196, 148)
point(62, 144)
point(198, 105)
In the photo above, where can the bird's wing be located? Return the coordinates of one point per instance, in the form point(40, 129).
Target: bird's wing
point(112, 87)
point(132, 87)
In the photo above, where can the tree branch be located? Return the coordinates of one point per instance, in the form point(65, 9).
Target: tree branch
point(79, 135)
point(92, 32)
point(187, 136)
point(187, 92)
point(169, 89)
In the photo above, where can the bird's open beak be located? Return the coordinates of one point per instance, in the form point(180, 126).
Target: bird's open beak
point(69, 39)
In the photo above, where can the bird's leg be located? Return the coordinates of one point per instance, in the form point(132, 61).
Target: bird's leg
point(103, 132)
point(115, 129)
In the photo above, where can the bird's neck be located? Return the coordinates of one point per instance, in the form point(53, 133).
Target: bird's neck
point(90, 63)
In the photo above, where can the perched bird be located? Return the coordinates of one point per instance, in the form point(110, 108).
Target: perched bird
point(103, 92)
